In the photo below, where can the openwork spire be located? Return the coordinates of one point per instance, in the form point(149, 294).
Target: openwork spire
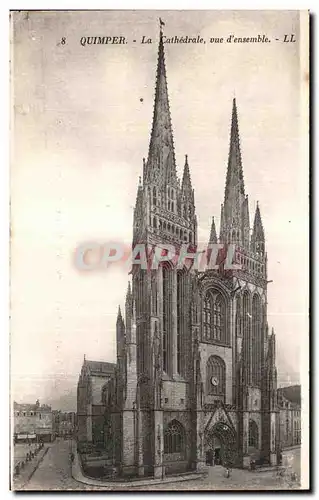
point(235, 178)
point(232, 221)
point(161, 157)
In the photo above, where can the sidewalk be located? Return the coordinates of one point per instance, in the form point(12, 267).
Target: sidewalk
point(18, 482)
point(78, 475)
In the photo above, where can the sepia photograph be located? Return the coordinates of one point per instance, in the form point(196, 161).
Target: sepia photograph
point(159, 250)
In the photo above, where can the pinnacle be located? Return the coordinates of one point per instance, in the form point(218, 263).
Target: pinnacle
point(119, 313)
point(213, 234)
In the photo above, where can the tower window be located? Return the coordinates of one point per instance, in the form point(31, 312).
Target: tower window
point(166, 319)
point(154, 196)
point(256, 340)
point(180, 321)
point(214, 320)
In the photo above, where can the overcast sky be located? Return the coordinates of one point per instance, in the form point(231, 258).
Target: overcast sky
point(80, 132)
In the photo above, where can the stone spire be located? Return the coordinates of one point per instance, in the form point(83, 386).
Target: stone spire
point(235, 178)
point(258, 236)
point(234, 189)
point(213, 234)
point(161, 166)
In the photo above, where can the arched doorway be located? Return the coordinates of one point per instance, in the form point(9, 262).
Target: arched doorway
point(220, 445)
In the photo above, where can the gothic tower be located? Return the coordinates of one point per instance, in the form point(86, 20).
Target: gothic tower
point(164, 215)
point(239, 319)
point(196, 375)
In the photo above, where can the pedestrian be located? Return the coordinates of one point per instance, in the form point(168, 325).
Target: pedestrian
point(227, 471)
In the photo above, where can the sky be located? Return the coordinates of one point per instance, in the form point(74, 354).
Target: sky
point(80, 129)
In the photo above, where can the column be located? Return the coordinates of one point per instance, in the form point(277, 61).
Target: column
point(139, 444)
point(159, 470)
point(246, 457)
point(200, 447)
point(273, 454)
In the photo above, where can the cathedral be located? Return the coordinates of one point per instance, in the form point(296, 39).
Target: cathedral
point(195, 380)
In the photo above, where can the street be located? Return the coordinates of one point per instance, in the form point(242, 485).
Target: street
point(54, 473)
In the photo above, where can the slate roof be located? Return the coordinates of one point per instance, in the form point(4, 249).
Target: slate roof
point(292, 393)
point(101, 367)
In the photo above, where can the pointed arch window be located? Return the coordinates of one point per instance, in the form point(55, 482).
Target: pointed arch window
point(216, 377)
point(214, 320)
point(167, 314)
point(174, 438)
point(181, 305)
point(154, 196)
point(256, 340)
point(253, 437)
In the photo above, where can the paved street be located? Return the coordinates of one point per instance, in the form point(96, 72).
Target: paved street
point(291, 458)
point(54, 473)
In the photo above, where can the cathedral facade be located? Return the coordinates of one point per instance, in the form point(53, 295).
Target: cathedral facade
point(195, 378)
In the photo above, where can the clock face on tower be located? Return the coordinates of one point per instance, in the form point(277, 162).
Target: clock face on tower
point(214, 381)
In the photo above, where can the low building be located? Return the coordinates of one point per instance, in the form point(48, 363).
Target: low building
point(33, 422)
point(90, 406)
point(289, 403)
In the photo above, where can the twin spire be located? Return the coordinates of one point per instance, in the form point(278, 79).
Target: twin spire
point(161, 157)
point(161, 165)
point(235, 224)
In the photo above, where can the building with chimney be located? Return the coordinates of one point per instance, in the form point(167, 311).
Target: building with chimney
point(195, 380)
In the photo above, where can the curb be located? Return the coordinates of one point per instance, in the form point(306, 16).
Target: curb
point(77, 474)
